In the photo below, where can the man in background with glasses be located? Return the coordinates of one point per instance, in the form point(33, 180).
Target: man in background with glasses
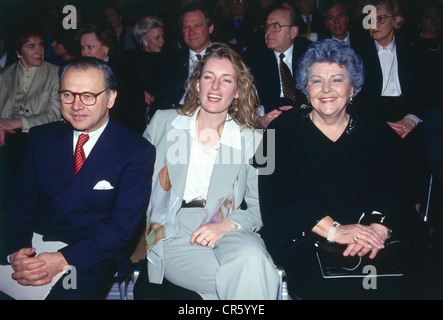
point(81, 193)
point(283, 45)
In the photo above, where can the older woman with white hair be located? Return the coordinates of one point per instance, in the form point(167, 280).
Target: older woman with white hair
point(143, 69)
point(334, 179)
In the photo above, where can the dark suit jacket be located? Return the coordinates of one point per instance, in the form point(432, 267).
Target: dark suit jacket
point(433, 124)
point(97, 225)
point(177, 74)
point(264, 67)
point(317, 24)
point(391, 108)
point(225, 30)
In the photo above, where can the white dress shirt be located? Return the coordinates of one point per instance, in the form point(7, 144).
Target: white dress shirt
point(93, 137)
point(389, 66)
point(201, 160)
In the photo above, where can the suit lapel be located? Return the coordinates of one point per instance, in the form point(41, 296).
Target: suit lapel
point(98, 161)
point(224, 173)
point(177, 158)
point(12, 86)
point(274, 73)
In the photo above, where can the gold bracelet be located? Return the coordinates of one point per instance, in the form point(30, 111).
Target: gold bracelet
point(414, 123)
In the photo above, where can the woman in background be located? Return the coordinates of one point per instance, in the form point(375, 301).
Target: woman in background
point(142, 73)
point(28, 98)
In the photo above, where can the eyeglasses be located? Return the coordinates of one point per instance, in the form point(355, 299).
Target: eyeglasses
point(87, 98)
point(381, 19)
point(275, 26)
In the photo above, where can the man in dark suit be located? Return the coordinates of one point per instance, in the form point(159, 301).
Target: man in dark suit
point(196, 26)
point(237, 29)
point(77, 206)
point(311, 25)
point(337, 21)
point(281, 38)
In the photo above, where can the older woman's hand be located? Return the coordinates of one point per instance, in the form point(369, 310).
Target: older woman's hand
point(402, 127)
point(366, 239)
point(361, 239)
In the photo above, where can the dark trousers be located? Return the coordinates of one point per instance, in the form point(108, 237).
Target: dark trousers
point(91, 284)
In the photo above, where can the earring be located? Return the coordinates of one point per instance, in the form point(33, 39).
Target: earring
point(235, 105)
point(351, 97)
point(19, 56)
point(145, 44)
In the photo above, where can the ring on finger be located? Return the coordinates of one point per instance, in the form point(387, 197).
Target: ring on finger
point(355, 239)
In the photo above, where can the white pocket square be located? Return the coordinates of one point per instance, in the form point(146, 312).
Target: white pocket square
point(103, 185)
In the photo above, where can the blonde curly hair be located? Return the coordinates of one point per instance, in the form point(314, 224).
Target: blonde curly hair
point(242, 111)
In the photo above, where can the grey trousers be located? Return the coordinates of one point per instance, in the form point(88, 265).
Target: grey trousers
point(237, 268)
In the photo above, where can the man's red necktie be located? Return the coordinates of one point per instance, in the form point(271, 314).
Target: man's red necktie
point(79, 157)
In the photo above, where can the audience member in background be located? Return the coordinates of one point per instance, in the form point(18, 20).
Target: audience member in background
point(123, 34)
point(337, 20)
point(196, 26)
point(311, 23)
point(64, 46)
point(427, 41)
point(98, 40)
point(237, 29)
point(394, 90)
point(143, 74)
point(281, 37)
point(28, 98)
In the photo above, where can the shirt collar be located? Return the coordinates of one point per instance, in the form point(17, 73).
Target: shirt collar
point(230, 137)
point(94, 135)
point(345, 40)
point(390, 47)
point(193, 54)
point(27, 71)
point(288, 54)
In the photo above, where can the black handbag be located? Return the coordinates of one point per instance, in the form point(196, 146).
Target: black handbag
point(389, 262)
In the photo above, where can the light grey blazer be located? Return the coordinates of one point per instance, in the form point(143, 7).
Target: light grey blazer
point(230, 183)
point(41, 103)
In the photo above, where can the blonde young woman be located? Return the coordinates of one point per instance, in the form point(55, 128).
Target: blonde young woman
point(200, 236)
